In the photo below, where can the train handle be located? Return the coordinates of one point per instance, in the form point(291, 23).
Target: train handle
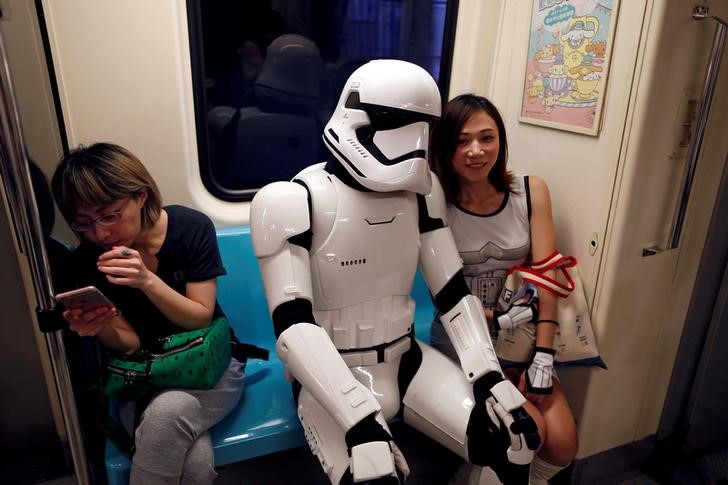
point(696, 141)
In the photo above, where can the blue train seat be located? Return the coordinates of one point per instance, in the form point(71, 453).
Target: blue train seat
point(265, 420)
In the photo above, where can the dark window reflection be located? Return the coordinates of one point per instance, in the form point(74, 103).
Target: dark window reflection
point(268, 74)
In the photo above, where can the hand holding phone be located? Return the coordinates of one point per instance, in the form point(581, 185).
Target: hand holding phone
point(87, 310)
point(86, 299)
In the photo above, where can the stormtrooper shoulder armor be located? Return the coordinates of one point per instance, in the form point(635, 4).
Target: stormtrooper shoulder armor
point(278, 212)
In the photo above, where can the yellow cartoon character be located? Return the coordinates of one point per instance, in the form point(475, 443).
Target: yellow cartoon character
point(544, 57)
point(535, 88)
point(549, 102)
point(586, 80)
point(558, 81)
point(573, 59)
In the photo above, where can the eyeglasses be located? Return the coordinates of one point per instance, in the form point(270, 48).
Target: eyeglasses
point(106, 220)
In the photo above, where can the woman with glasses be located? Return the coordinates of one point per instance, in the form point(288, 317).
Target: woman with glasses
point(158, 265)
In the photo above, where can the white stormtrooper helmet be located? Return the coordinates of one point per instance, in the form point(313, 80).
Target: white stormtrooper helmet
point(380, 128)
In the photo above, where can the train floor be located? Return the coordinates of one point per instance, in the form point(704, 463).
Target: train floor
point(432, 464)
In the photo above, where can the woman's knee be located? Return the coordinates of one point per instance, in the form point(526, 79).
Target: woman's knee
point(562, 438)
point(171, 408)
point(560, 448)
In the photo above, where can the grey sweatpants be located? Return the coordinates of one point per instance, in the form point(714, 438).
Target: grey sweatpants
point(173, 440)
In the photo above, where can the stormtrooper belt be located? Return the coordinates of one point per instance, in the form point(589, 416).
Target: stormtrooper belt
point(379, 353)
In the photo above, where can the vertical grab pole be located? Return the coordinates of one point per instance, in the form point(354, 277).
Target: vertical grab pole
point(706, 99)
point(24, 213)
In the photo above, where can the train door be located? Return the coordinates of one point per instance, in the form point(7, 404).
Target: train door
point(695, 404)
point(31, 421)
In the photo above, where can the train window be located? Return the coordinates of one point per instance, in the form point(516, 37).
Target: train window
point(267, 75)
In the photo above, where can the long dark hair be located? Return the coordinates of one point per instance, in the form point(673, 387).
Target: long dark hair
point(444, 142)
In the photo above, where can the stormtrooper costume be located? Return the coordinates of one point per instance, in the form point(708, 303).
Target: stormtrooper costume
point(338, 249)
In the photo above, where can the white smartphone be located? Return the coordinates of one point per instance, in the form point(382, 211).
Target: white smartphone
point(86, 298)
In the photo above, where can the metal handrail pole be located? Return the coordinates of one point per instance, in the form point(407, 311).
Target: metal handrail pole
point(696, 143)
point(21, 203)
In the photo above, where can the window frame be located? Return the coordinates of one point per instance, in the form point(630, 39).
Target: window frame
point(197, 64)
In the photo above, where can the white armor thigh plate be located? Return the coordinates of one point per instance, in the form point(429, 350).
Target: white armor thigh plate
point(439, 401)
point(381, 381)
point(363, 261)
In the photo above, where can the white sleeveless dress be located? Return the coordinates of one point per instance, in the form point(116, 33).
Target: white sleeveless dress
point(489, 245)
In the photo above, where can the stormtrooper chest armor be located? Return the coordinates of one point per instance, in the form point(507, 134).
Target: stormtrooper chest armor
point(364, 257)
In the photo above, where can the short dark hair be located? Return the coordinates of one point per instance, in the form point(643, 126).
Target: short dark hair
point(101, 174)
point(445, 137)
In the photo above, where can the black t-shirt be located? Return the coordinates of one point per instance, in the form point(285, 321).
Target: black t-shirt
point(189, 253)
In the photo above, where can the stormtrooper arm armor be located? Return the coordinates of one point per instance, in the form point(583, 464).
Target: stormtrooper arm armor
point(280, 229)
point(462, 313)
point(465, 324)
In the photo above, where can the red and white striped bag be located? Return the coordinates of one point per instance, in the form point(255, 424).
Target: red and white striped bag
point(574, 341)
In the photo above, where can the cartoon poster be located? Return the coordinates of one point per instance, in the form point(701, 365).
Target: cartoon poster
point(568, 63)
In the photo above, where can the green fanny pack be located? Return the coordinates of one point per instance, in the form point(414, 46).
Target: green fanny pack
point(188, 360)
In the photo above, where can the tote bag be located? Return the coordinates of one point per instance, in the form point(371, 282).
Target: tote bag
point(574, 341)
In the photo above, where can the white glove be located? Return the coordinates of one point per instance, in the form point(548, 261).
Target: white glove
point(539, 377)
point(523, 309)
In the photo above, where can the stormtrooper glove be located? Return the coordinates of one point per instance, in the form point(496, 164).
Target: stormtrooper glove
point(507, 435)
point(539, 376)
point(523, 310)
point(374, 455)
